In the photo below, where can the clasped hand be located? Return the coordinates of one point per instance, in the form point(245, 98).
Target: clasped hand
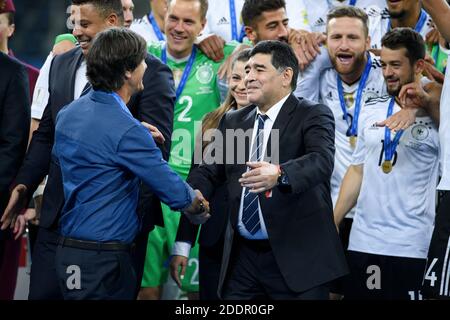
point(198, 211)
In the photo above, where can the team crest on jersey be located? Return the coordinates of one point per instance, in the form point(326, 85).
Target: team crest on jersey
point(371, 93)
point(420, 132)
point(205, 73)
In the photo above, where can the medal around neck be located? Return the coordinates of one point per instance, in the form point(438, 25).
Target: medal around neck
point(386, 166)
point(352, 140)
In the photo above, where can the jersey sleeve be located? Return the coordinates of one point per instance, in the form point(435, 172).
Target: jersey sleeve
point(308, 81)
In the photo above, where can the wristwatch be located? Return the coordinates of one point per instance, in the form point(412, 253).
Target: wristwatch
point(283, 179)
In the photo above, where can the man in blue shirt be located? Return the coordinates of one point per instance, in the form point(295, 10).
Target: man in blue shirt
point(103, 153)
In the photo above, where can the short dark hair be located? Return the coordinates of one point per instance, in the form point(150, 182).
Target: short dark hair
point(407, 38)
point(253, 9)
point(283, 56)
point(105, 7)
point(203, 6)
point(114, 51)
point(349, 12)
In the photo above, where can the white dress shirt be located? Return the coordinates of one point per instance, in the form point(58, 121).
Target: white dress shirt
point(182, 248)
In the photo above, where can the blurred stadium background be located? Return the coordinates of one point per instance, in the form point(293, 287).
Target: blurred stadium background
point(38, 22)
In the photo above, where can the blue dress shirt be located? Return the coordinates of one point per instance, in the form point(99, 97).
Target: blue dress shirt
point(103, 153)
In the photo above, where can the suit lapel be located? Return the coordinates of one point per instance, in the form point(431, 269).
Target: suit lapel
point(280, 124)
point(73, 67)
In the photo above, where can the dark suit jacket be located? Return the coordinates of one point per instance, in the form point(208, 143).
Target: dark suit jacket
point(38, 163)
point(299, 221)
point(14, 122)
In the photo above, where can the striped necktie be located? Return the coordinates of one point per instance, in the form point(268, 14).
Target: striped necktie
point(250, 212)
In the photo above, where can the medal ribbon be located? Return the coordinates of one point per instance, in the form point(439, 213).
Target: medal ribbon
point(390, 146)
point(234, 34)
point(419, 24)
point(362, 83)
point(155, 27)
point(186, 71)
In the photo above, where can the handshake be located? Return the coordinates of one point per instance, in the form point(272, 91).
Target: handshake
point(198, 211)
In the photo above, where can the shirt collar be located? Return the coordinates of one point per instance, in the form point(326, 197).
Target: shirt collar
point(272, 113)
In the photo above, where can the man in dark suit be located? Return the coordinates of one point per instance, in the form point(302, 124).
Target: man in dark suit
point(281, 242)
point(14, 127)
point(154, 106)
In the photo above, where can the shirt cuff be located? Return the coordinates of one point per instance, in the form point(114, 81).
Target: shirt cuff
point(181, 248)
point(192, 196)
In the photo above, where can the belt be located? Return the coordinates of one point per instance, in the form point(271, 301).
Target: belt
point(256, 245)
point(94, 245)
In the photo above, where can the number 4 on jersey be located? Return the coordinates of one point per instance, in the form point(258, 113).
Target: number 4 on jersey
point(431, 276)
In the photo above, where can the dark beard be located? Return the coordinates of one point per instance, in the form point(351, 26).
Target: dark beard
point(397, 15)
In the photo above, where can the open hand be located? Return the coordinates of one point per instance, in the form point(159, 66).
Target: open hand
point(262, 176)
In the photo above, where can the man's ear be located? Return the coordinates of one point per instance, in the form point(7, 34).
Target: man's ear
point(113, 20)
point(10, 30)
point(250, 33)
point(203, 22)
point(288, 73)
point(419, 66)
point(127, 75)
point(368, 40)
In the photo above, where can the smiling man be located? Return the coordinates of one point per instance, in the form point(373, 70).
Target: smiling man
point(353, 76)
point(280, 214)
point(391, 231)
point(67, 81)
point(102, 157)
point(197, 93)
point(399, 13)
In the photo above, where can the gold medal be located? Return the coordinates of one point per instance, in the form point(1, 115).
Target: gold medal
point(387, 166)
point(352, 141)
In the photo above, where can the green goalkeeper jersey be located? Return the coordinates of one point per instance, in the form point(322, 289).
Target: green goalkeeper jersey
point(200, 95)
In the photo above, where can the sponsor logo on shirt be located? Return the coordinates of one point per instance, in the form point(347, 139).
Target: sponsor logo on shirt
point(319, 23)
point(223, 20)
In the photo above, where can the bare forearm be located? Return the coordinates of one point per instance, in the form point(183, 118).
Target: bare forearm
point(350, 187)
point(432, 107)
point(439, 10)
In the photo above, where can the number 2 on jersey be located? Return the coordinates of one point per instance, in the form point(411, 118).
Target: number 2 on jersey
point(183, 115)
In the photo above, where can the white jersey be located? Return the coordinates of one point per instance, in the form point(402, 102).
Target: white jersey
point(444, 133)
point(379, 25)
point(395, 212)
point(328, 95)
point(218, 18)
point(317, 10)
point(144, 28)
point(41, 91)
point(41, 94)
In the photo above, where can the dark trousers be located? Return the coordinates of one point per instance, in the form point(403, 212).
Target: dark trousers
point(379, 277)
point(138, 256)
point(9, 263)
point(43, 278)
point(86, 274)
point(436, 281)
point(210, 262)
point(254, 275)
